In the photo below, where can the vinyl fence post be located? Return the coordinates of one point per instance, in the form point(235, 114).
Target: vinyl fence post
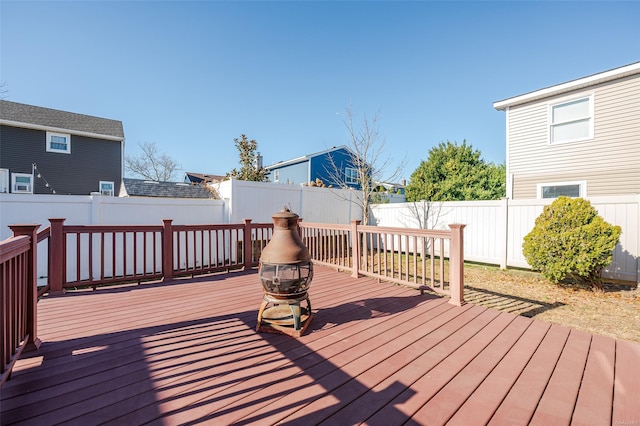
point(504, 254)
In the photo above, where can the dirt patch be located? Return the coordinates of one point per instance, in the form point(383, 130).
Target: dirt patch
point(614, 312)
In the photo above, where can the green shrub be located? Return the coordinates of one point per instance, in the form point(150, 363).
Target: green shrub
point(569, 240)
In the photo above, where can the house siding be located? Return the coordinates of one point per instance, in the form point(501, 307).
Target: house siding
point(609, 163)
point(78, 173)
point(293, 174)
point(323, 167)
point(318, 166)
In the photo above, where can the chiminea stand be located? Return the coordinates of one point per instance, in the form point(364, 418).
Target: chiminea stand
point(286, 315)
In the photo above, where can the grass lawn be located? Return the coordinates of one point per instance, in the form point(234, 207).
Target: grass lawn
point(614, 313)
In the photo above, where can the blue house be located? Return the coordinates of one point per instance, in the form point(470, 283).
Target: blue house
point(324, 165)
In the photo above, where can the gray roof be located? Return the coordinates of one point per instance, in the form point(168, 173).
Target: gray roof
point(146, 188)
point(308, 157)
point(201, 177)
point(37, 117)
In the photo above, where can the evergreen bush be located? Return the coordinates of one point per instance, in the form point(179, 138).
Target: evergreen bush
point(570, 241)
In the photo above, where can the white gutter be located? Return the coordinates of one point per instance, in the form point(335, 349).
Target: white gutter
point(592, 80)
point(60, 130)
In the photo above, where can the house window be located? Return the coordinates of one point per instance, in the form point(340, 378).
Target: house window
point(276, 175)
point(21, 183)
point(571, 121)
point(568, 189)
point(351, 175)
point(58, 142)
point(106, 188)
point(4, 181)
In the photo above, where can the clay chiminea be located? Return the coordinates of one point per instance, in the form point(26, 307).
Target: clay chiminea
point(285, 271)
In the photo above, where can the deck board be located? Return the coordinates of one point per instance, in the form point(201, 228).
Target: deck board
point(375, 353)
point(596, 392)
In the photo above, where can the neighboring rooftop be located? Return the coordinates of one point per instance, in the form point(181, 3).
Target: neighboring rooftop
point(35, 117)
point(305, 157)
point(190, 177)
point(148, 188)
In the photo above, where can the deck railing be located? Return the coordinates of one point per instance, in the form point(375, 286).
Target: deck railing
point(96, 255)
point(18, 296)
point(425, 259)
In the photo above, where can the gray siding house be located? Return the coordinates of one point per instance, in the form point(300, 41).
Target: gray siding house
point(579, 138)
point(47, 151)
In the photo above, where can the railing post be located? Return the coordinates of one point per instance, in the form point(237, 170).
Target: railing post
point(32, 284)
point(456, 265)
point(57, 258)
point(248, 245)
point(167, 250)
point(355, 248)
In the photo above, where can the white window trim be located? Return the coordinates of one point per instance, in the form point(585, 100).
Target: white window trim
point(566, 100)
point(61, 151)
point(347, 178)
point(110, 193)
point(13, 183)
point(4, 181)
point(582, 184)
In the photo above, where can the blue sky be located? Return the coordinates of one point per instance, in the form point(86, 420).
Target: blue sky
point(192, 76)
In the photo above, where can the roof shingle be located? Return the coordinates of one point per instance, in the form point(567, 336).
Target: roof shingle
point(146, 188)
point(31, 115)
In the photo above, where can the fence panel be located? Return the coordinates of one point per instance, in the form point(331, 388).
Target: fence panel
point(496, 229)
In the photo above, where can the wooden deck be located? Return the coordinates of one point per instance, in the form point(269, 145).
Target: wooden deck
point(376, 353)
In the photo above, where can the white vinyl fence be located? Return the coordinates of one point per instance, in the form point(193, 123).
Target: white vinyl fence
point(260, 200)
point(101, 210)
point(493, 234)
point(495, 229)
point(240, 199)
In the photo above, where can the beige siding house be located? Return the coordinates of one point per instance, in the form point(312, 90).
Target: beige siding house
point(580, 138)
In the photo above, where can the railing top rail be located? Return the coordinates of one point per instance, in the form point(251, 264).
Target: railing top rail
point(111, 228)
point(207, 227)
point(381, 229)
point(14, 246)
point(333, 226)
point(262, 225)
point(43, 234)
point(439, 233)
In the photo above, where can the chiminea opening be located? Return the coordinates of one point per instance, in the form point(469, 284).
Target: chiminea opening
point(285, 272)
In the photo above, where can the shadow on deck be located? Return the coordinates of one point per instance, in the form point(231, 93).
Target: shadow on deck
point(187, 352)
point(507, 303)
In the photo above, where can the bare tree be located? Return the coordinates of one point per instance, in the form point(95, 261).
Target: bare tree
point(3, 90)
point(366, 146)
point(152, 164)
